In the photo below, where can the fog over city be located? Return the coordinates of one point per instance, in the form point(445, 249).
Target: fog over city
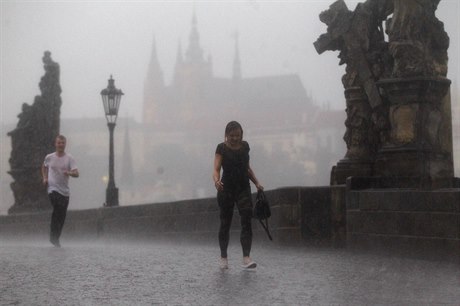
point(92, 40)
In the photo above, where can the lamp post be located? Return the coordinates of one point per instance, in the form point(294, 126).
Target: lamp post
point(111, 97)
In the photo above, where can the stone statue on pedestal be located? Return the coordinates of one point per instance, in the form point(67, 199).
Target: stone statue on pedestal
point(32, 139)
point(398, 109)
point(359, 37)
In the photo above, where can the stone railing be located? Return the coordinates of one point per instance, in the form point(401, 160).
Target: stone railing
point(409, 220)
point(298, 214)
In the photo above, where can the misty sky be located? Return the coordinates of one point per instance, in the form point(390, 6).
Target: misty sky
point(93, 39)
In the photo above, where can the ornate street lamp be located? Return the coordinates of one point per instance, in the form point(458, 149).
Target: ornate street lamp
point(111, 97)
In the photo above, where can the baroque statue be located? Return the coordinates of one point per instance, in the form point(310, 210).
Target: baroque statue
point(395, 86)
point(32, 139)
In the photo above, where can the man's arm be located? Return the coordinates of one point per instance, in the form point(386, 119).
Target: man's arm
point(73, 173)
point(44, 175)
point(73, 168)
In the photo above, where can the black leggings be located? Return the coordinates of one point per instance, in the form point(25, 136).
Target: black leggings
point(60, 204)
point(227, 203)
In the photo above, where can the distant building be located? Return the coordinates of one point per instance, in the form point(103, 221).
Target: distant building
point(169, 155)
point(197, 99)
point(276, 113)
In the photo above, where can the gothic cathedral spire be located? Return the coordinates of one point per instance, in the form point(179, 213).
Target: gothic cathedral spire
point(194, 52)
point(153, 86)
point(194, 71)
point(127, 172)
point(236, 61)
point(177, 68)
point(154, 71)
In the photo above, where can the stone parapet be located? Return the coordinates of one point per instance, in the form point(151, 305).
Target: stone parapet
point(407, 221)
point(298, 214)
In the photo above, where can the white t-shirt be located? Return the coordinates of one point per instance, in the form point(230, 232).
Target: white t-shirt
point(57, 180)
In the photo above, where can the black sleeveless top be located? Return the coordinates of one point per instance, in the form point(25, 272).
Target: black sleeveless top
point(235, 165)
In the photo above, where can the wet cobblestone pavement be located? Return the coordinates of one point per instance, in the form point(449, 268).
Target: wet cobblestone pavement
point(176, 274)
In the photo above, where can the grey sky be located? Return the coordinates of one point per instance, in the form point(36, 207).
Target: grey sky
point(93, 39)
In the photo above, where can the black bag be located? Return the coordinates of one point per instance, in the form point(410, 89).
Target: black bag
point(262, 211)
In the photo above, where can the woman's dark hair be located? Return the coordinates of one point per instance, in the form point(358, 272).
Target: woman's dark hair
point(233, 125)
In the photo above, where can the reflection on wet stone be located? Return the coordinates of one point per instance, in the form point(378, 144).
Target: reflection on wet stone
point(179, 274)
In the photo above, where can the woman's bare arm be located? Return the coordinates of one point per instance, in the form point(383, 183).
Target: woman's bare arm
point(254, 179)
point(216, 173)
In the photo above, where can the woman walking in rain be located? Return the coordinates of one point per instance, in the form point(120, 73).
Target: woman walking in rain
point(233, 187)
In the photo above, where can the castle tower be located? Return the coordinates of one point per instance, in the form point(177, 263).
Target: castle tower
point(194, 52)
point(177, 79)
point(153, 89)
point(236, 62)
point(193, 72)
point(236, 76)
point(127, 172)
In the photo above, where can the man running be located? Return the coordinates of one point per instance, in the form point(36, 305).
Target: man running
point(56, 170)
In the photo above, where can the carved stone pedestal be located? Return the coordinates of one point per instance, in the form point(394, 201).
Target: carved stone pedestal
point(358, 159)
point(32, 139)
point(29, 192)
point(419, 144)
point(347, 167)
point(409, 222)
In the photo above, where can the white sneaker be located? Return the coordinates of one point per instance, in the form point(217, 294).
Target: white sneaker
point(250, 265)
point(223, 263)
